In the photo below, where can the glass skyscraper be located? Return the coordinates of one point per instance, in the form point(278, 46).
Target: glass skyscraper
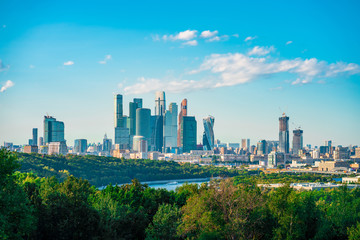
point(170, 135)
point(188, 131)
point(208, 136)
point(143, 116)
point(160, 106)
point(121, 131)
point(284, 134)
point(53, 130)
point(80, 146)
point(35, 136)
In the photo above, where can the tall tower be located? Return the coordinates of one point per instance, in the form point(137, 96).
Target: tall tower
point(34, 135)
point(284, 134)
point(297, 141)
point(170, 134)
point(143, 116)
point(182, 113)
point(160, 103)
point(118, 111)
point(121, 131)
point(53, 130)
point(188, 131)
point(208, 136)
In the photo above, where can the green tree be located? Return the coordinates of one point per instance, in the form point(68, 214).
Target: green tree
point(16, 216)
point(164, 224)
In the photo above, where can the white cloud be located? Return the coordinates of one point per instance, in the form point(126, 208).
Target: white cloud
point(68, 63)
point(237, 68)
point(289, 42)
point(146, 85)
point(218, 38)
point(7, 85)
point(190, 43)
point(3, 67)
point(261, 51)
point(250, 38)
point(106, 59)
point(155, 37)
point(208, 34)
point(184, 36)
point(235, 35)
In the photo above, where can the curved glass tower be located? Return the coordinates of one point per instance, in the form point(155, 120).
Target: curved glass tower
point(208, 136)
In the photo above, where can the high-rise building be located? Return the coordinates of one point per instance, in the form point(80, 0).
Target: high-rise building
point(53, 130)
point(245, 144)
point(80, 146)
point(140, 144)
point(107, 145)
point(261, 147)
point(182, 113)
point(143, 118)
point(297, 141)
point(157, 133)
point(284, 134)
point(170, 135)
point(188, 131)
point(57, 148)
point(35, 136)
point(137, 103)
point(122, 136)
point(208, 135)
point(41, 141)
point(160, 106)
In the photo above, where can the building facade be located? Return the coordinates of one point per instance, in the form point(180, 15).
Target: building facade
point(208, 135)
point(170, 132)
point(54, 131)
point(297, 141)
point(284, 134)
point(188, 132)
point(80, 146)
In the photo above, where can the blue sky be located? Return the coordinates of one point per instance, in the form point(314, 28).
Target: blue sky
point(243, 62)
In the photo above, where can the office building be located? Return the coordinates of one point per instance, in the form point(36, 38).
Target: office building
point(284, 134)
point(122, 136)
point(143, 122)
point(53, 130)
point(261, 147)
point(182, 113)
point(80, 146)
point(208, 135)
point(41, 141)
point(35, 136)
point(137, 103)
point(276, 159)
point(56, 148)
point(245, 144)
point(30, 149)
point(157, 133)
point(140, 144)
point(341, 153)
point(297, 141)
point(160, 106)
point(170, 135)
point(107, 145)
point(188, 131)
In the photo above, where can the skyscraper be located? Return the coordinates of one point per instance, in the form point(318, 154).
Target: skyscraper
point(34, 136)
point(107, 145)
point(121, 131)
point(80, 146)
point(53, 130)
point(188, 132)
point(157, 133)
point(182, 113)
point(160, 106)
point(245, 144)
point(143, 116)
point(284, 134)
point(208, 136)
point(297, 141)
point(131, 121)
point(170, 135)
point(261, 147)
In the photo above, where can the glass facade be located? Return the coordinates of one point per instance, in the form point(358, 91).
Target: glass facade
point(188, 131)
point(53, 130)
point(208, 136)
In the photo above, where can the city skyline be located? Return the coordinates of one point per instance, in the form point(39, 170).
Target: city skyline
point(241, 68)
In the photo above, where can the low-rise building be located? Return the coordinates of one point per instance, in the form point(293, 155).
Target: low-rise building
point(329, 166)
point(30, 149)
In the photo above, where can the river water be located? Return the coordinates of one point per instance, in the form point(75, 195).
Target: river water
point(171, 184)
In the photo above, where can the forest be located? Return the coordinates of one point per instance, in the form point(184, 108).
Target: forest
point(101, 171)
point(34, 207)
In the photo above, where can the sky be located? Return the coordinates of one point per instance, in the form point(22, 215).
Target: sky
point(243, 62)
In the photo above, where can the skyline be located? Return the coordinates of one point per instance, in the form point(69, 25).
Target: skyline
point(69, 65)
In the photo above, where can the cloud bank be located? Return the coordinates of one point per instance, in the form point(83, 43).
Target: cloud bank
point(237, 68)
point(7, 85)
point(68, 63)
point(106, 59)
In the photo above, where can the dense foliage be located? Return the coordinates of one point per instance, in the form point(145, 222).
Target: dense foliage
point(101, 171)
point(45, 208)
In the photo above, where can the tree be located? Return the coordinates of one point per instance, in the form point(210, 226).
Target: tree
point(16, 219)
point(164, 224)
